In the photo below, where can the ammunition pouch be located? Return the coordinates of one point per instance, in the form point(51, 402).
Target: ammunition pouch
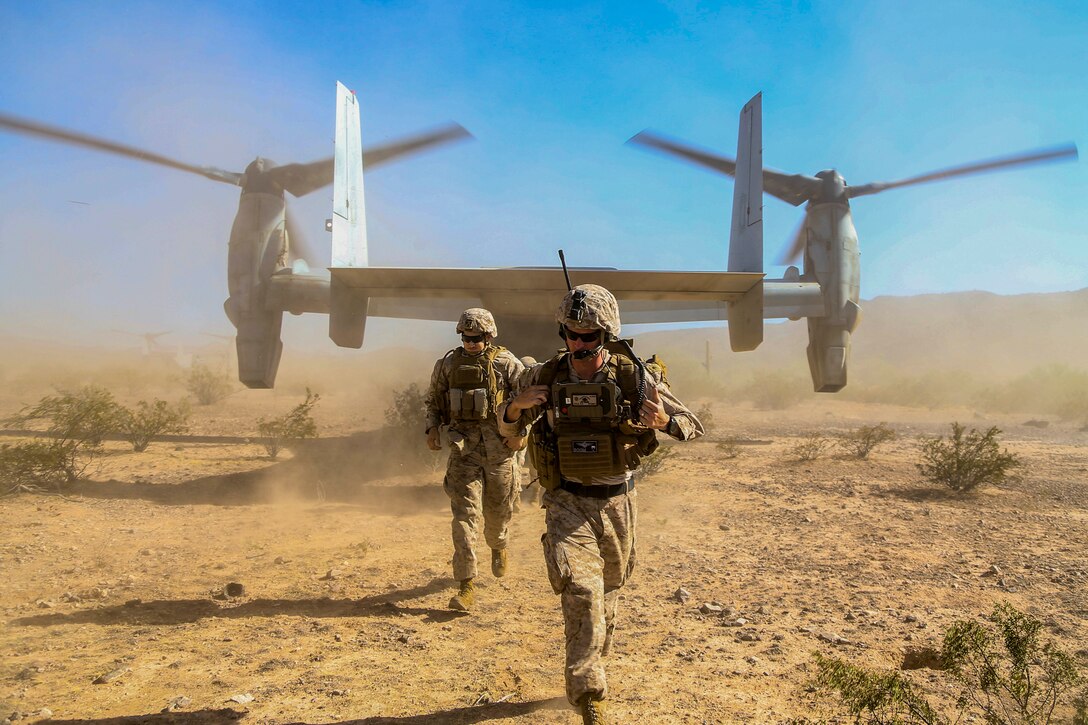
point(636, 445)
point(469, 404)
point(473, 386)
point(544, 455)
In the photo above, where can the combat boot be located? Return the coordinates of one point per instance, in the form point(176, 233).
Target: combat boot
point(498, 562)
point(592, 711)
point(463, 600)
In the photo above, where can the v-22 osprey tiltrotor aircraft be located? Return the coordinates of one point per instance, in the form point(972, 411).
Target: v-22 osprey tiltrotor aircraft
point(263, 283)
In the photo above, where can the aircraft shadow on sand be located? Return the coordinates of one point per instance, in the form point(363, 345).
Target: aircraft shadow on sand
point(187, 611)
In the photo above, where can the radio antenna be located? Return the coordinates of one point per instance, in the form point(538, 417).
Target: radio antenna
point(563, 261)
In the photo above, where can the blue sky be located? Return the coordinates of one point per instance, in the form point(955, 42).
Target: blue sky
point(878, 90)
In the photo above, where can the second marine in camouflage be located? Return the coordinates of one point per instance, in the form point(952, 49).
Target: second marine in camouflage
point(467, 386)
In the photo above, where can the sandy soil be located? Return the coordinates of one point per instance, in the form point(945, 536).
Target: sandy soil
point(344, 556)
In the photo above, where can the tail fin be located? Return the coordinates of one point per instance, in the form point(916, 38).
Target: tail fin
point(746, 232)
point(347, 310)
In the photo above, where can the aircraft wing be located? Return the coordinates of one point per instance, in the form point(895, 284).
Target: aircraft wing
point(442, 293)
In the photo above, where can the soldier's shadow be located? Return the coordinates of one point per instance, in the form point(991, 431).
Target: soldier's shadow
point(467, 715)
point(186, 611)
point(345, 469)
point(455, 716)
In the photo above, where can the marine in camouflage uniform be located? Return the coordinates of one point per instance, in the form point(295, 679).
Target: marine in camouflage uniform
point(589, 545)
point(481, 479)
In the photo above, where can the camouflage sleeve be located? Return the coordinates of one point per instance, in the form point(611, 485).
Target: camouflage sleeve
point(683, 424)
point(510, 371)
point(436, 393)
point(520, 427)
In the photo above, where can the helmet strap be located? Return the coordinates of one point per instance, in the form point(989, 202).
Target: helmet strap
point(583, 354)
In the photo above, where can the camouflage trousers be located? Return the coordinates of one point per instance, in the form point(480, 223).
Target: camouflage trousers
point(589, 547)
point(479, 489)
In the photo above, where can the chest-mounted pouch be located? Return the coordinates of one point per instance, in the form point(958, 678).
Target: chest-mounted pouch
point(586, 401)
point(469, 404)
point(468, 376)
point(468, 393)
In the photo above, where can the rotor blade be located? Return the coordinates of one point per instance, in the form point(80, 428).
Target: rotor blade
point(296, 242)
point(792, 252)
point(59, 134)
point(376, 155)
point(793, 189)
point(1026, 158)
point(301, 179)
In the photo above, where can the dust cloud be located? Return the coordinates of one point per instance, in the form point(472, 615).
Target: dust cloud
point(342, 542)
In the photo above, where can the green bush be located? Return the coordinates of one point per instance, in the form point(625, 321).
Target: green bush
point(653, 464)
point(877, 698)
point(34, 464)
point(810, 447)
point(1007, 671)
point(148, 420)
point(408, 411)
point(295, 425)
point(966, 460)
point(706, 417)
point(77, 423)
point(1006, 674)
point(206, 385)
point(405, 421)
point(728, 448)
point(860, 442)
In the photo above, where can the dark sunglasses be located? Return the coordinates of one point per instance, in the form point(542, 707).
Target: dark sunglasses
point(583, 336)
point(472, 338)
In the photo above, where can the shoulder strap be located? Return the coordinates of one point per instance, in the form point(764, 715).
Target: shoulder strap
point(549, 370)
point(491, 353)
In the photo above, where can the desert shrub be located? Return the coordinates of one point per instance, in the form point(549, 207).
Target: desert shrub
point(293, 426)
point(706, 417)
point(966, 460)
point(728, 449)
point(774, 390)
point(860, 442)
point(33, 465)
point(148, 420)
point(1006, 674)
point(810, 447)
point(652, 464)
point(206, 385)
point(405, 421)
point(874, 697)
point(408, 411)
point(77, 422)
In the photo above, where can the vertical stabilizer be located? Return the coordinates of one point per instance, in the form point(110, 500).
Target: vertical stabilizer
point(746, 231)
point(347, 311)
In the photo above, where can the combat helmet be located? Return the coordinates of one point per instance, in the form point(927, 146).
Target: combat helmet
point(477, 321)
point(590, 306)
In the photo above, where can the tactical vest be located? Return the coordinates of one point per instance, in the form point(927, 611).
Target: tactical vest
point(595, 433)
point(474, 391)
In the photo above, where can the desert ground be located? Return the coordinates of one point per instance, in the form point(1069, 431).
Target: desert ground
point(114, 604)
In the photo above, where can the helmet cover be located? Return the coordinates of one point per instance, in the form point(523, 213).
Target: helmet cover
point(477, 321)
point(592, 307)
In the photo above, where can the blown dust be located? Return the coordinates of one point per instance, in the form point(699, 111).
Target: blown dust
point(342, 547)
